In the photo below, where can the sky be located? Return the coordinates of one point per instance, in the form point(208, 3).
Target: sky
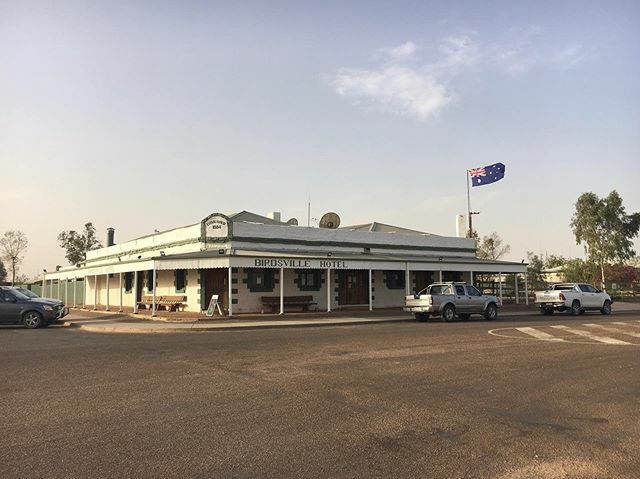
point(152, 115)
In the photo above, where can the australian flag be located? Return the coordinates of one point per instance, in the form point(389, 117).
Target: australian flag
point(487, 174)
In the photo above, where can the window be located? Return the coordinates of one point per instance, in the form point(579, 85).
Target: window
point(128, 282)
point(584, 288)
point(260, 280)
point(8, 297)
point(440, 289)
point(564, 287)
point(308, 279)
point(150, 284)
point(460, 290)
point(181, 280)
point(473, 291)
point(395, 279)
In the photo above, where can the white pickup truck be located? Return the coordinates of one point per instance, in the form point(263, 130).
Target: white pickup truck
point(576, 298)
point(450, 300)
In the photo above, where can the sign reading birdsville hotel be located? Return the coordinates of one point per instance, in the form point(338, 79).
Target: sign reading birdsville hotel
point(299, 263)
point(216, 226)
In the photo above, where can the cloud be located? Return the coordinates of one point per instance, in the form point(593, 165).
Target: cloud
point(515, 53)
point(569, 56)
point(458, 50)
point(423, 90)
point(395, 89)
point(514, 61)
point(416, 92)
point(401, 52)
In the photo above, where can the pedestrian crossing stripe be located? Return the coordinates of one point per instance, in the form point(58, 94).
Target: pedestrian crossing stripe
point(615, 330)
point(593, 334)
point(539, 334)
point(620, 323)
point(588, 334)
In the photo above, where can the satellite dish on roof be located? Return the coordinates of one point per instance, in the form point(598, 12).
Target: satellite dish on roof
point(293, 222)
point(330, 221)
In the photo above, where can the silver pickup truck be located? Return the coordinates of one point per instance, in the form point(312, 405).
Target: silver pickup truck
point(450, 300)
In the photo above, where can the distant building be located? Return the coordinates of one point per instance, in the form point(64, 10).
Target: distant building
point(244, 258)
point(554, 275)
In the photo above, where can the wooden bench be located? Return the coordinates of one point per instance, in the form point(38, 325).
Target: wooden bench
point(146, 302)
point(273, 302)
point(170, 303)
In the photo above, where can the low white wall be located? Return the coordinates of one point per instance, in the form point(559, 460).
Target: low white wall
point(250, 302)
point(383, 297)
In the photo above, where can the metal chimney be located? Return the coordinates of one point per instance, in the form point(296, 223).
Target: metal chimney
point(110, 236)
point(460, 226)
point(274, 215)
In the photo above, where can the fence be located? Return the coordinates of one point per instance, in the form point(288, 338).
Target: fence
point(490, 284)
point(71, 293)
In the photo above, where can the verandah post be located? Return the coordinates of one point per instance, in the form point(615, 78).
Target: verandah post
point(328, 290)
point(153, 308)
point(281, 290)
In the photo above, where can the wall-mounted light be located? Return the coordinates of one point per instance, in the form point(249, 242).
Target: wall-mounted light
point(44, 270)
point(161, 253)
point(139, 256)
point(329, 255)
point(119, 258)
point(221, 251)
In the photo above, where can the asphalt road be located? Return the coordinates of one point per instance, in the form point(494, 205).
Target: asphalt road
point(382, 400)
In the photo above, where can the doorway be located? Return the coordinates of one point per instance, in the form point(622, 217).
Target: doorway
point(353, 287)
point(423, 279)
point(215, 282)
point(139, 287)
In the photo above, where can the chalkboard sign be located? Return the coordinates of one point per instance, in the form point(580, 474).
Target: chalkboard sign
point(214, 305)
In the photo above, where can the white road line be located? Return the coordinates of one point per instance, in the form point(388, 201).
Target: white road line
point(614, 330)
point(588, 334)
point(626, 324)
point(539, 334)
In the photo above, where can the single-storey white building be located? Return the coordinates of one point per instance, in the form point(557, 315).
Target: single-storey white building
point(252, 262)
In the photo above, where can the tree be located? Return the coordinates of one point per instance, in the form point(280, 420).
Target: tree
point(77, 244)
point(492, 247)
point(577, 270)
point(12, 246)
point(554, 260)
point(21, 279)
point(602, 226)
point(534, 271)
point(3, 272)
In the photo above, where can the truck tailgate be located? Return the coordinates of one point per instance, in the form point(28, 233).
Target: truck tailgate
point(548, 296)
point(411, 301)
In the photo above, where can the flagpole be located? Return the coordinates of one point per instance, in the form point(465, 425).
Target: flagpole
point(470, 232)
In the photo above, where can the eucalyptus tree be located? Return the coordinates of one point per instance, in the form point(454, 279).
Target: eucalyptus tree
point(604, 228)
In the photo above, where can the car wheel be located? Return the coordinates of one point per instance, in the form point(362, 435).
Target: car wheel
point(606, 307)
point(32, 320)
point(464, 316)
point(449, 313)
point(575, 308)
point(582, 311)
point(491, 312)
point(548, 311)
point(421, 317)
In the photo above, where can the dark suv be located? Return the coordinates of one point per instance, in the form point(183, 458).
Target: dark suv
point(16, 308)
